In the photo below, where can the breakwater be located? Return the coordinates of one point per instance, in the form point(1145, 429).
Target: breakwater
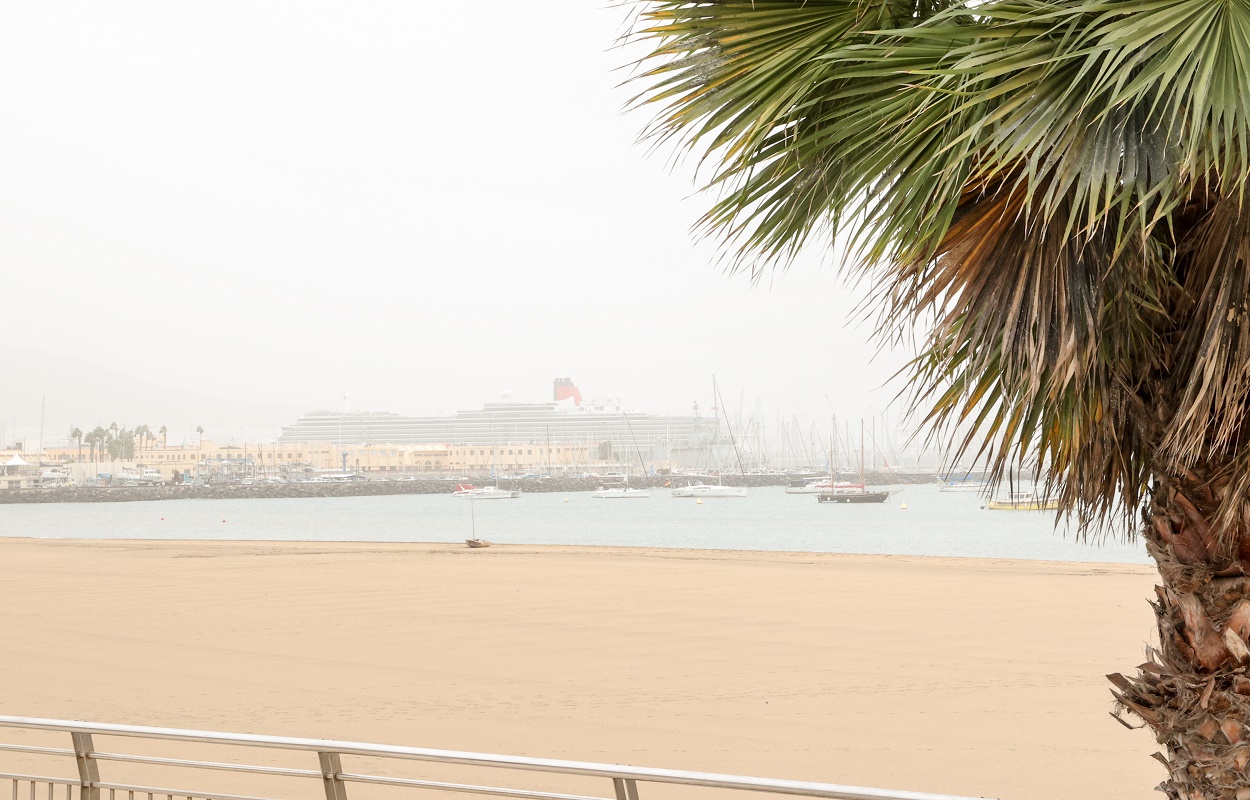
point(371, 488)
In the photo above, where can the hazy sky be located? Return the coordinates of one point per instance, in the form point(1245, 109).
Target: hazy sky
point(416, 206)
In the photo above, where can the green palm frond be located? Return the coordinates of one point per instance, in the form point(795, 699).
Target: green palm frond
point(1059, 186)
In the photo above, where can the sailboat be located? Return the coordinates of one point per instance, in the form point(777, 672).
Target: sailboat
point(709, 490)
point(854, 493)
point(1023, 501)
point(718, 489)
point(486, 492)
point(620, 493)
point(473, 541)
point(625, 492)
point(965, 484)
point(829, 483)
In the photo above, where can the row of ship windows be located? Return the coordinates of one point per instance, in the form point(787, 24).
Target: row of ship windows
point(195, 456)
point(392, 453)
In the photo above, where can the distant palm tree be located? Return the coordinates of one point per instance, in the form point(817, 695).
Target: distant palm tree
point(1057, 193)
point(164, 432)
point(75, 433)
point(143, 432)
point(96, 439)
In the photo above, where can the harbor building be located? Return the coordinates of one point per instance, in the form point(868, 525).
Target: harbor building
point(603, 428)
point(214, 460)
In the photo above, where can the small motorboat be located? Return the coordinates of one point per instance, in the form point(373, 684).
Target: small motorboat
point(475, 543)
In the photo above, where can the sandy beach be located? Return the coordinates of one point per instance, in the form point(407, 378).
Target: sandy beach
point(964, 676)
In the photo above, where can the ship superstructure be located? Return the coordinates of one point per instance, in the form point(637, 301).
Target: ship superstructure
point(623, 433)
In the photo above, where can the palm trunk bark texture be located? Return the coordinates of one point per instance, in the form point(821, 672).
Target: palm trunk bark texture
point(1193, 691)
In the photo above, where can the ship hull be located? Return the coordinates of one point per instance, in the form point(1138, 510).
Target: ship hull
point(853, 497)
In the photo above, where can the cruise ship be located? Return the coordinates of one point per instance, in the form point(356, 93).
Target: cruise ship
point(692, 440)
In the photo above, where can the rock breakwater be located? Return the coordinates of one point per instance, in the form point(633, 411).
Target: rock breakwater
point(371, 488)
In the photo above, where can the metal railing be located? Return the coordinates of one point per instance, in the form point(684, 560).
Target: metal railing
point(334, 780)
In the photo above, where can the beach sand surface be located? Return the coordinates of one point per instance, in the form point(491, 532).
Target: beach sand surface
point(962, 676)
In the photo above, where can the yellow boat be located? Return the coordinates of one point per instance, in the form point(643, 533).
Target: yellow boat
point(1023, 501)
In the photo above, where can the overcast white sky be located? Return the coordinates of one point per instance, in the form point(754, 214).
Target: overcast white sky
point(413, 205)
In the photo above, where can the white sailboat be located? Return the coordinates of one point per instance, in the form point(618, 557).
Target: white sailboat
point(620, 493)
point(625, 492)
point(818, 485)
point(718, 489)
point(964, 484)
point(709, 490)
point(484, 492)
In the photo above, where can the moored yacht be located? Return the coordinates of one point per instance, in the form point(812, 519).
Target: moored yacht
point(853, 492)
point(620, 493)
point(1023, 501)
point(856, 495)
point(484, 493)
point(965, 484)
point(709, 490)
point(818, 485)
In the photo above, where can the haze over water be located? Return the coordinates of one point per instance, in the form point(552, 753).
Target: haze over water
point(934, 524)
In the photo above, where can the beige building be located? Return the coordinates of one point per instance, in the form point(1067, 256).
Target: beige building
point(214, 459)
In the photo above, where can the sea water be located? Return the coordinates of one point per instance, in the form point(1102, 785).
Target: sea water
point(932, 524)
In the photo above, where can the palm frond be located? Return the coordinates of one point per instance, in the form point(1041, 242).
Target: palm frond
point(1059, 186)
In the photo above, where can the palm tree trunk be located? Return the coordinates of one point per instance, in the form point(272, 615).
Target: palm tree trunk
point(1193, 691)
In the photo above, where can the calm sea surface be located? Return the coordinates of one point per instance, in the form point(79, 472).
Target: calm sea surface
point(933, 524)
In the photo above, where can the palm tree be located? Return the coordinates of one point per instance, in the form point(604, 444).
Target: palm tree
point(96, 439)
point(143, 432)
point(1058, 191)
point(75, 433)
point(164, 432)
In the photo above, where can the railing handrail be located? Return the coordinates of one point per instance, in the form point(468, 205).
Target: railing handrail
point(590, 768)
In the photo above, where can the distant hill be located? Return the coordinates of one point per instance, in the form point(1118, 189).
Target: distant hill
point(85, 394)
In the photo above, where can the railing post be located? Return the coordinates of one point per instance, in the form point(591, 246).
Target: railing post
point(626, 788)
point(330, 770)
point(88, 769)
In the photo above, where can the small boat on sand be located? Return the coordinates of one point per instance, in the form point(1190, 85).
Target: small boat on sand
point(475, 543)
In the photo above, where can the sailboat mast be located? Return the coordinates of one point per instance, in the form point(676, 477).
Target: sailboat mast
point(634, 439)
point(732, 441)
point(833, 447)
point(861, 450)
